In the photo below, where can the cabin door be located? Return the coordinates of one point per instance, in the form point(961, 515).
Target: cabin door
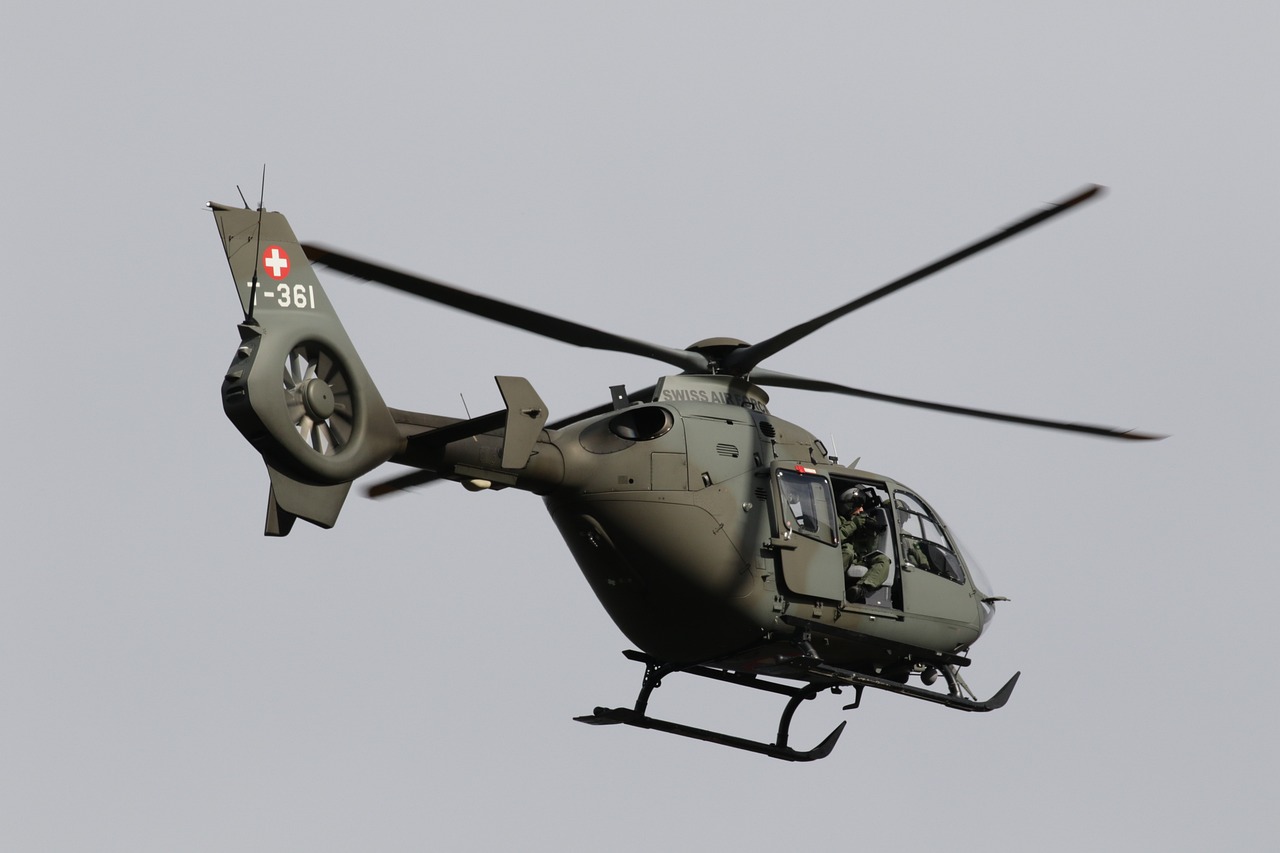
point(806, 533)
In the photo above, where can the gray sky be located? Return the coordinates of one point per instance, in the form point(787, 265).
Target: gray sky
point(171, 680)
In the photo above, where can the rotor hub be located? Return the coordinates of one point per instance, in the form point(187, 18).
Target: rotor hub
point(317, 397)
point(714, 350)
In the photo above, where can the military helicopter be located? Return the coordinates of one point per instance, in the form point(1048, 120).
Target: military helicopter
point(713, 532)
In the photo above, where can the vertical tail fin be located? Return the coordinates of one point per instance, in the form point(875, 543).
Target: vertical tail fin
point(296, 389)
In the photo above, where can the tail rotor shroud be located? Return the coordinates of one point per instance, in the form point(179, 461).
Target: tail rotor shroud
point(296, 389)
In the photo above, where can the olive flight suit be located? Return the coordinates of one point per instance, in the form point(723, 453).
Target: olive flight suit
point(858, 545)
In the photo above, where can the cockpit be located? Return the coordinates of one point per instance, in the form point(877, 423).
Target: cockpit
point(867, 542)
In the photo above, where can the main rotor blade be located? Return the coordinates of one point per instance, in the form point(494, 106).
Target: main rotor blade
point(784, 380)
point(503, 312)
point(743, 360)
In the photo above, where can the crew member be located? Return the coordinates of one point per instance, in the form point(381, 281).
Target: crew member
point(865, 565)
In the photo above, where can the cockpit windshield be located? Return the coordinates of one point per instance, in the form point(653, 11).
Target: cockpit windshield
point(980, 581)
point(924, 542)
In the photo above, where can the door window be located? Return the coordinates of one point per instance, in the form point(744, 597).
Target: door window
point(807, 506)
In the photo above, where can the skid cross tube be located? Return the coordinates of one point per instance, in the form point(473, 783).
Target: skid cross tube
point(655, 671)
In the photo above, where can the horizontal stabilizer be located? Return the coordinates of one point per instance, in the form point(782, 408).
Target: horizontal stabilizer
point(455, 431)
point(521, 423)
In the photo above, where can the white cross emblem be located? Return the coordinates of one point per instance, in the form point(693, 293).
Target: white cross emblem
point(276, 261)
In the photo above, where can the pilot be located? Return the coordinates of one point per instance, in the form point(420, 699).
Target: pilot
point(860, 531)
point(912, 545)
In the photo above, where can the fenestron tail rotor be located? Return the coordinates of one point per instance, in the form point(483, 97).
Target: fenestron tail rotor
point(296, 389)
point(318, 398)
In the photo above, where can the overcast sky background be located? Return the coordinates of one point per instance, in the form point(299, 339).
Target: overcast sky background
point(171, 680)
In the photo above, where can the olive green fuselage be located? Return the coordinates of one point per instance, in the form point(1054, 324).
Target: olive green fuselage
point(678, 513)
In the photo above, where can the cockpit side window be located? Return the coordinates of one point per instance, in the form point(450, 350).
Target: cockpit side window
point(925, 544)
point(807, 505)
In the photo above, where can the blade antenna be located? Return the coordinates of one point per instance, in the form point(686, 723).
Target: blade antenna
point(257, 251)
point(467, 409)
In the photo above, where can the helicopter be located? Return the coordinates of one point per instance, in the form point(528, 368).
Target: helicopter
point(716, 535)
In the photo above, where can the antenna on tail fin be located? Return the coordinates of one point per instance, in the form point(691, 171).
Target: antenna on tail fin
point(253, 286)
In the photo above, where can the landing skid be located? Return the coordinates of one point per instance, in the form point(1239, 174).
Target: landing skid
point(947, 665)
point(954, 699)
point(655, 671)
point(820, 676)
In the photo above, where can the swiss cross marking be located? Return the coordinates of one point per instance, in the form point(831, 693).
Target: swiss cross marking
point(276, 260)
